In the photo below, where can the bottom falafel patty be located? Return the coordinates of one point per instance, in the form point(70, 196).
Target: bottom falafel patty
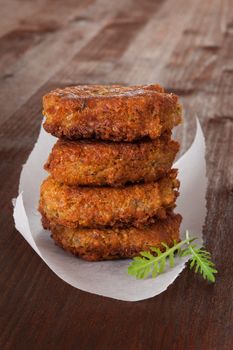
point(115, 243)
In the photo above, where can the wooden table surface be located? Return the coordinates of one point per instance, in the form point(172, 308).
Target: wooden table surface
point(185, 45)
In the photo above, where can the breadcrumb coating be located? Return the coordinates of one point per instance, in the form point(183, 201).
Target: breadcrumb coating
point(115, 243)
point(116, 113)
point(74, 206)
point(94, 163)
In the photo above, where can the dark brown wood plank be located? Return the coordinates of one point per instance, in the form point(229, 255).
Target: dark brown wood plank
point(187, 47)
point(42, 61)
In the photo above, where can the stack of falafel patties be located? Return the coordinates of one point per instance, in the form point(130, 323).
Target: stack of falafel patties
point(111, 189)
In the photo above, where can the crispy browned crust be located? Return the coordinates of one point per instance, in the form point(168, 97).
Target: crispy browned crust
point(116, 113)
point(104, 206)
point(94, 163)
point(115, 243)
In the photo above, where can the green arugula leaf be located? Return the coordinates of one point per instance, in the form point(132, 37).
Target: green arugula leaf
point(154, 264)
point(147, 263)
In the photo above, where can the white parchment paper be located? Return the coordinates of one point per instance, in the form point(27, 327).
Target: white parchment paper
point(109, 278)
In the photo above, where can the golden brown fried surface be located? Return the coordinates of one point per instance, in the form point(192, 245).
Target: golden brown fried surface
point(116, 113)
point(108, 163)
point(104, 206)
point(115, 243)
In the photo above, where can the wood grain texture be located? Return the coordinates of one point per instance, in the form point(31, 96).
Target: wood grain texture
point(185, 45)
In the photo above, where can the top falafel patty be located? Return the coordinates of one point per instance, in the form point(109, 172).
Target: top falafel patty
point(110, 112)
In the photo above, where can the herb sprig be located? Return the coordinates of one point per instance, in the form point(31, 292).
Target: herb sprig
point(148, 264)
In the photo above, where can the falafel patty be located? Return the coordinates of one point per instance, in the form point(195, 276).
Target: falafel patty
point(110, 112)
point(74, 206)
point(94, 163)
point(115, 243)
